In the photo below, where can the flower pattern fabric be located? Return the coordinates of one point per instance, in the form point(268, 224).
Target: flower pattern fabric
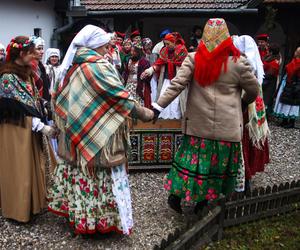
point(90, 203)
point(12, 87)
point(203, 169)
point(240, 178)
point(132, 82)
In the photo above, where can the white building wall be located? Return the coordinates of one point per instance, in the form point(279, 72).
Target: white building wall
point(20, 17)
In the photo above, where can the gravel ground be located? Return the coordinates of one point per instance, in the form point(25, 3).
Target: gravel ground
point(152, 217)
point(284, 163)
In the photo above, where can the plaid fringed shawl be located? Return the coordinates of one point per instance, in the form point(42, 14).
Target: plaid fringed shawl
point(90, 106)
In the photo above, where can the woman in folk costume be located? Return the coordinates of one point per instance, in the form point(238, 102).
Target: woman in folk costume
point(256, 130)
point(113, 53)
point(166, 66)
point(139, 89)
point(22, 167)
point(271, 67)
point(209, 158)
point(92, 108)
point(52, 63)
point(287, 104)
point(263, 45)
point(125, 54)
point(136, 36)
point(120, 39)
point(41, 78)
point(157, 47)
point(147, 48)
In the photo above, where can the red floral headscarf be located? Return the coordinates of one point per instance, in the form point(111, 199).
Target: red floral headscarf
point(213, 52)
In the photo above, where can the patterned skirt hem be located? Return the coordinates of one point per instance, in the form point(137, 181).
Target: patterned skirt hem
point(78, 231)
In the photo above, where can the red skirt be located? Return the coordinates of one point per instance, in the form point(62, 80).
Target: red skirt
point(254, 159)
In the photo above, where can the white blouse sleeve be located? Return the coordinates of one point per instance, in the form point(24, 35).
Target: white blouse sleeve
point(37, 125)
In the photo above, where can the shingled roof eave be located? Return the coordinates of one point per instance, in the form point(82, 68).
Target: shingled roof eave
point(182, 11)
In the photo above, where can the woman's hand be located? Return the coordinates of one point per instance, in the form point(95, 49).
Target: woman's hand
point(147, 73)
point(149, 115)
point(142, 113)
point(156, 115)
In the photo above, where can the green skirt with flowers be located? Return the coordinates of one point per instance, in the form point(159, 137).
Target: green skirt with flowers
point(203, 169)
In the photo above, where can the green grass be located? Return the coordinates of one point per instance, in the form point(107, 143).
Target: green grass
point(281, 232)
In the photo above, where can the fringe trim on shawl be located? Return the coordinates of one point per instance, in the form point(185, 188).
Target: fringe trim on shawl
point(257, 133)
point(209, 65)
point(87, 167)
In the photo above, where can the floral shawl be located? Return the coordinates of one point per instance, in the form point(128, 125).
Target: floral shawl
point(17, 99)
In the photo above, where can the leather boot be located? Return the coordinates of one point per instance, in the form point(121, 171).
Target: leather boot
point(174, 203)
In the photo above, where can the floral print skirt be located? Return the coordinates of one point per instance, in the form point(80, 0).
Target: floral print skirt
point(203, 169)
point(92, 204)
point(131, 88)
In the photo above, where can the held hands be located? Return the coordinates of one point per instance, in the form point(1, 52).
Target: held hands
point(156, 110)
point(149, 115)
point(156, 115)
point(142, 113)
point(145, 114)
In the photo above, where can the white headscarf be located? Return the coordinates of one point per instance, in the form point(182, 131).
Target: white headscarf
point(91, 37)
point(51, 52)
point(38, 41)
point(247, 45)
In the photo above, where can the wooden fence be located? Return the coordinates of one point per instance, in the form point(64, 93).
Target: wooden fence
point(239, 208)
point(210, 226)
point(262, 203)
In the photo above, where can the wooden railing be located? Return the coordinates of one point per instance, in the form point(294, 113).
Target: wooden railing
point(262, 203)
point(237, 209)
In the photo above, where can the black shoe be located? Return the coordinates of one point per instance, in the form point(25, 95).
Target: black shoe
point(200, 205)
point(174, 203)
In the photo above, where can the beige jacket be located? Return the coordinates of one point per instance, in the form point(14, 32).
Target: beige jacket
point(214, 112)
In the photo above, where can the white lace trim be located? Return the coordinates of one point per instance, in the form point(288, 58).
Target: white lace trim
point(121, 191)
point(240, 179)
